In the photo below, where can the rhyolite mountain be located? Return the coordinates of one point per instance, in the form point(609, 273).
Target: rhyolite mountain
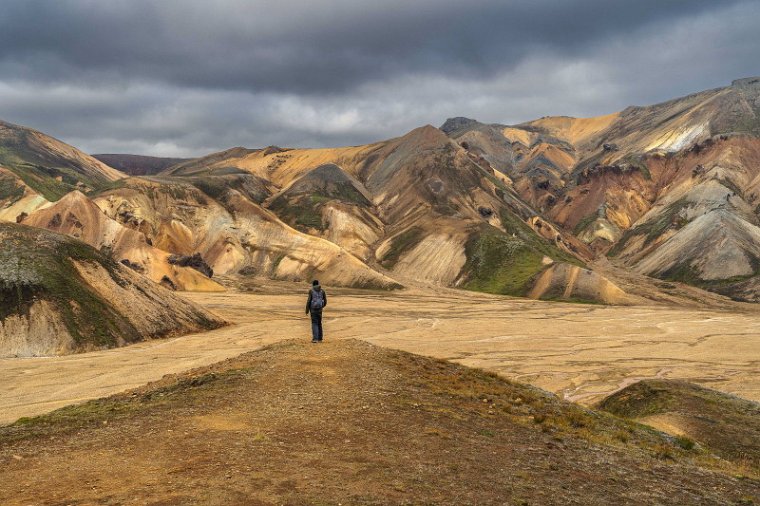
point(669, 191)
point(416, 208)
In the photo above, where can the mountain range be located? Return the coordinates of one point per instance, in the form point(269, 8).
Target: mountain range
point(637, 205)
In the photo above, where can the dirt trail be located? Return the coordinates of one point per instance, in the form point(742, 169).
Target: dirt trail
point(583, 351)
point(346, 422)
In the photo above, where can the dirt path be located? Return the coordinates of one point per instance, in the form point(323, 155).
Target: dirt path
point(580, 351)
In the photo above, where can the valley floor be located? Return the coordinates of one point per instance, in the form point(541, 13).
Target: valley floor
point(581, 352)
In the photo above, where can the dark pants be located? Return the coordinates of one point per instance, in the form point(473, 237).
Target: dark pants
point(316, 325)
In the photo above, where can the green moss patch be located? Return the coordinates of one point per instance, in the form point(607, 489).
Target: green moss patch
point(301, 205)
point(653, 229)
point(683, 272)
point(506, 263)
point(303, 213)
point(10, 191)
point(500, 264)
point(217, 185)
point(51, 182)
point(584, 223)
point(730, 287)
point(638, 162)
point(517, 227)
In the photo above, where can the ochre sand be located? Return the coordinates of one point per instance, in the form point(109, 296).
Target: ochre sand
point(581, 352)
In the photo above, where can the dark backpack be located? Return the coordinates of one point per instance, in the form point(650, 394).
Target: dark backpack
point(317, 299)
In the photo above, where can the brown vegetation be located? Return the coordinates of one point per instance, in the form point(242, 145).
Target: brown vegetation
point(348, 422)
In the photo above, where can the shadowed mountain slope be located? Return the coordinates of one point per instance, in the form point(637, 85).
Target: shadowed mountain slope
point(139, 165)
point(384, 426)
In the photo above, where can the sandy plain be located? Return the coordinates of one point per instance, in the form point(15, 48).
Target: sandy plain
point(581, 352)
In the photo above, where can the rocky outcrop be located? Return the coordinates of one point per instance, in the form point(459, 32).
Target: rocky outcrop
point(455, 124)
point(194, 261)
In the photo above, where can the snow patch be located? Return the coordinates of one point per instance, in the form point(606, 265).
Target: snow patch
point(680, 138)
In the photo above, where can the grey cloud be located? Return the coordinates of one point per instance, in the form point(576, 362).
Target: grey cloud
point(187, 78)
point(308, 47)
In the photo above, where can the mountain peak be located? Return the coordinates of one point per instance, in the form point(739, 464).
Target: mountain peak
point(458, 123)
point(426, 134)
point(746, 82)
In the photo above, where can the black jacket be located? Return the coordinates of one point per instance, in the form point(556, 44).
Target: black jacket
point(308, 302)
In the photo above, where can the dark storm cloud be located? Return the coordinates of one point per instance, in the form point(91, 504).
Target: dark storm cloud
point(186, 77)
point(307, 47)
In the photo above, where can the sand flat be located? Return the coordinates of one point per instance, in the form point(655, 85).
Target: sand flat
point(581, 352)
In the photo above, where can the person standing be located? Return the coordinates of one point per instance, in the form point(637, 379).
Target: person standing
point(314, 305)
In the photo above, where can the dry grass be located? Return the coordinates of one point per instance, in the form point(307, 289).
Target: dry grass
point(722, 424)
point(352, 423)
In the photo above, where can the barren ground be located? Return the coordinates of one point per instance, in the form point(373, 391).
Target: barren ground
point(581, 352)
point(347, 422)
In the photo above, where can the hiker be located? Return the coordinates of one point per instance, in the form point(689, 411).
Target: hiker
point(317, 301)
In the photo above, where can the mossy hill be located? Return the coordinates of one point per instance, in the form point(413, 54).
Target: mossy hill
point(38, 265)
point(723, 424)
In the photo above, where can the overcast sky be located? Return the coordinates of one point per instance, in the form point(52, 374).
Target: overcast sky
point(184, 78)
